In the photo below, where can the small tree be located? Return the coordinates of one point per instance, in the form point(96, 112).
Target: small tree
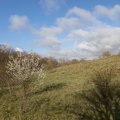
point(24, 70)
point(106, 54)
point(25, 74)
point(74, 61)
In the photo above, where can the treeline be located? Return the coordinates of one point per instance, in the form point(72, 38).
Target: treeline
point(47, 62)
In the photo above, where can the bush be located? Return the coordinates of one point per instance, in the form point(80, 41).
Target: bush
point(102, 101)
point(106, 54)
point(24, 70)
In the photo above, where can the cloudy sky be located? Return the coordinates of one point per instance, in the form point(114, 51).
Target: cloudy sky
point(61, 28)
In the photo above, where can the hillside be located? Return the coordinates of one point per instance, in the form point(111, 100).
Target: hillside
point(56, 94)
point(63, 82)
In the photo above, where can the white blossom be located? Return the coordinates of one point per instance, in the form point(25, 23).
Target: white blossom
point(25, 68)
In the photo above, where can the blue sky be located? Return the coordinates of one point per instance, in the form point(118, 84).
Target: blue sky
point(61, 28)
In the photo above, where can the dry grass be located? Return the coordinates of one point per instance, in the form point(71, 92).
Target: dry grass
point(52, 100)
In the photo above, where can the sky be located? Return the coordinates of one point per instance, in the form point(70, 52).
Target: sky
point(70, 29)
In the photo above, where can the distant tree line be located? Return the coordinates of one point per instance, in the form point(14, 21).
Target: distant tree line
point(48, 62)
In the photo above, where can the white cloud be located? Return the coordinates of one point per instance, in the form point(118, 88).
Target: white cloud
point(50, 43)
point(112, 13)
point(48, 31)
point(48, 37)
point(18, 22)
point(87, 46)
point(66, 54)
point(97, 39)
point(82, 13)
point(77, 18)
point(68, 23)
point(18, 49)
point(51, 5)
point(86, 32)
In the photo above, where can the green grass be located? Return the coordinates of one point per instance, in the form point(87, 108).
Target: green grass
point(56, 94)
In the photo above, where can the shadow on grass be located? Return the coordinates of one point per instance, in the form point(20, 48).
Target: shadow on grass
point(3, 92)
point(89, 106)
point(101, 102)
point(51, 88)
point(47, 88)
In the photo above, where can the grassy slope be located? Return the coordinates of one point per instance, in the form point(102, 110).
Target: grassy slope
point(59, 86)
point(63, 82)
